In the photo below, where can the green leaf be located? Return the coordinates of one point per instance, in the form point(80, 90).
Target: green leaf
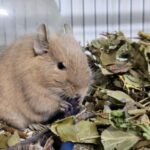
point(146, 130)
point(14, 139)
point(116, 139)
point(117, 119)
point(68, 130)
point(117, 113)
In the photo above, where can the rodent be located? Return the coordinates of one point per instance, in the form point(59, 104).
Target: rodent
point(38, 73)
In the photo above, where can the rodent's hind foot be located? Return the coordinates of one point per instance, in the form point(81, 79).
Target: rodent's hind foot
point(37, 127)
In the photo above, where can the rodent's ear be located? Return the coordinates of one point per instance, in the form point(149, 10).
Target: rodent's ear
point(67, 29)
point(41, 42)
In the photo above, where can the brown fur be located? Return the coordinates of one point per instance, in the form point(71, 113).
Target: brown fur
point(31, 83)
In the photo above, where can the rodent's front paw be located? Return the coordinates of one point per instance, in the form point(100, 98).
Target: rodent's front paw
point(65, 106)
point(69, 108)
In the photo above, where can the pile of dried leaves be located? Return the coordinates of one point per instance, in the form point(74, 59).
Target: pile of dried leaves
point(116, 112)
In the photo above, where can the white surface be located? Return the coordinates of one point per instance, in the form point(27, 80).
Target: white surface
point(20, 17)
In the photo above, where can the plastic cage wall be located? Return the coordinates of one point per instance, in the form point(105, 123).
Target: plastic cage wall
point(88, 18)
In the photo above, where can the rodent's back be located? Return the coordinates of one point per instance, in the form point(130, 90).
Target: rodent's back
point(15, 62)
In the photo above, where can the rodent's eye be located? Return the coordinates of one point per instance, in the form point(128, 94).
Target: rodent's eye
point(61, 66)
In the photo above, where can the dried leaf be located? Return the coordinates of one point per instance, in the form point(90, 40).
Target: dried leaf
point(14, 139)
point(118, 68)
point(83, 147)
point(119, 95)
point(3, 141)
point(132, 82)
point(102, 119)
point(144, 35)
point(68, 130)
point(116, 139)
point(108, 59)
